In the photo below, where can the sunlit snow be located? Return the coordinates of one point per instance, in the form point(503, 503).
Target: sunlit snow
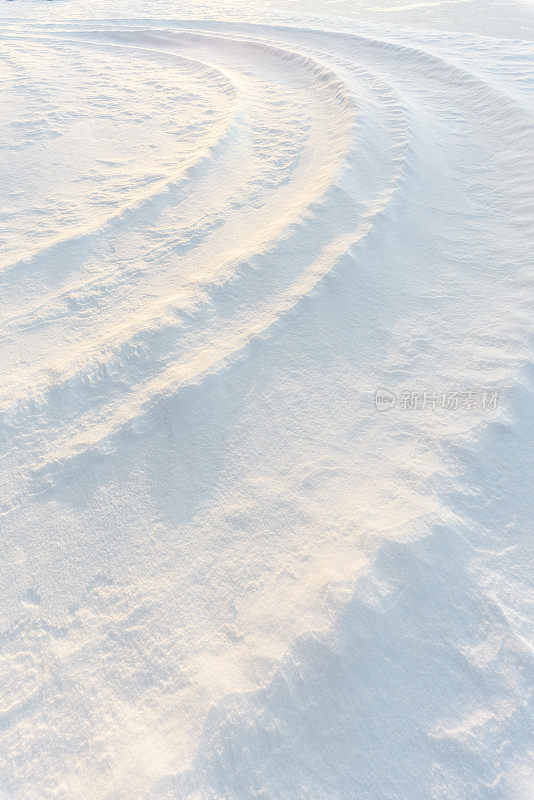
point(266, 409)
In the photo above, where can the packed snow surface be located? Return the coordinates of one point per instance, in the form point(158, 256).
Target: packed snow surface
point(226, 573)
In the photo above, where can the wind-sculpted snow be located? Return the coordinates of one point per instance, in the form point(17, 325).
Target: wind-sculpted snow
point(226, 574)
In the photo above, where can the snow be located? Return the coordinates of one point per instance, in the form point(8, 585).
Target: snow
point(225, 572)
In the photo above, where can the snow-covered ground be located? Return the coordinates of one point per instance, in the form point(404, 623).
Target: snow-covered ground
point(228, 570)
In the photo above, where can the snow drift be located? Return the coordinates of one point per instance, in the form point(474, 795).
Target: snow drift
point(226, 573)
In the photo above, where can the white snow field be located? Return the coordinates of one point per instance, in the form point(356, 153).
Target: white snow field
point(226, 574)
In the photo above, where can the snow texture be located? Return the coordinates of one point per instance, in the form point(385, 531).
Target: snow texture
point(226, 574)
